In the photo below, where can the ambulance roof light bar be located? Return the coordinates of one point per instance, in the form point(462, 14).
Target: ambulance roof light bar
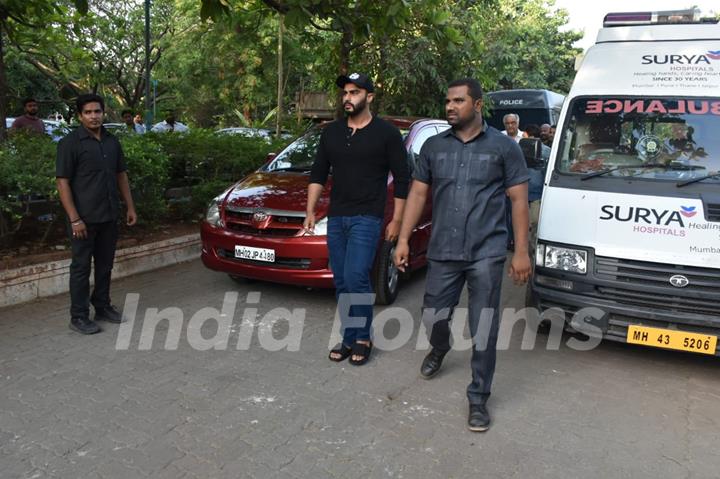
point(626, 19)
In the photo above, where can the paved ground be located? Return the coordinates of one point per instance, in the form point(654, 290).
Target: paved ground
point(75, 407)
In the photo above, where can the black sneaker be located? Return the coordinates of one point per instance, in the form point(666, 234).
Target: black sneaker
point(84, 325)
point(478, 418)
point(432, 362)
point(109, 314)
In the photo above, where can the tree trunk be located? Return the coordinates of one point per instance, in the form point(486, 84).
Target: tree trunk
point(278, 114)
point(377, 104)
point(344, 64)
point(3, 85)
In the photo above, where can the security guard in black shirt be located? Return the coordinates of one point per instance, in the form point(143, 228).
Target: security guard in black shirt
point(91, 176)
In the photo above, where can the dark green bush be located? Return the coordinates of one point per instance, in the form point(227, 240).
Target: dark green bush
point(27, 178)
point(148, 165)
point(201, 155)
point(200, 160)
point(206, 191)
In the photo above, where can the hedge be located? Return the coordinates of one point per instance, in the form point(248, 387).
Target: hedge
point(200, 161)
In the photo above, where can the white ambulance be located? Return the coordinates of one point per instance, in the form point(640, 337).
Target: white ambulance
point(630, 218)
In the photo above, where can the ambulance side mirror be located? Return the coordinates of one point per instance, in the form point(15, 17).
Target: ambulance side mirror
point(532, 150)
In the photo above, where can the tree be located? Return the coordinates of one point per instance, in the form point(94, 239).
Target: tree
point(513, 44)
point(27, 13)
point(102, 51)
point(354, 22)
point(525, 47)
point(212, 70)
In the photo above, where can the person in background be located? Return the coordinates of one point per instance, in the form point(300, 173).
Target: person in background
point(170, 124)
point(132, 125)
point(29, 121)
point(537, 180)
point(512, 127)
point(545, 134)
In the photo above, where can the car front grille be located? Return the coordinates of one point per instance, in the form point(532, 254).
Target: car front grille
point(275, 223)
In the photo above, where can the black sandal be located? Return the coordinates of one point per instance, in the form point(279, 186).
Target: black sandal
point(363, 350)
point(342, 350)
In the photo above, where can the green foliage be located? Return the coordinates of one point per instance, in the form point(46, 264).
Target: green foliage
point(102, 51)
point(148, 165)
point(27, 167)
point(202, 193)
point(23, 81)
point(513, 44)
point(209, 70)
point(201, 160)
point(202, 155)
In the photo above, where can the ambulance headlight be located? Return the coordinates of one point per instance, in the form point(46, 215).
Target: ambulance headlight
point(561, 258)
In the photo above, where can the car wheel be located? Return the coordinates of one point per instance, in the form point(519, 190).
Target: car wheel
point(386, 276)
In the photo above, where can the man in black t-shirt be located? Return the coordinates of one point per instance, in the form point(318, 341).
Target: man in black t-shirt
point(361, 149)
point(91, 177)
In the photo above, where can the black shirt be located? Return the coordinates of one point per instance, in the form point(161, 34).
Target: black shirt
point(360, 163)
point(468, 192)
point(92, 167)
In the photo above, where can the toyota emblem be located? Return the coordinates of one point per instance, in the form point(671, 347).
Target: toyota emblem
point(259, 216)
point(679, 281)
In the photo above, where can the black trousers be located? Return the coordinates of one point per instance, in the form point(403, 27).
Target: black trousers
point(97, 248)
point(444, 283)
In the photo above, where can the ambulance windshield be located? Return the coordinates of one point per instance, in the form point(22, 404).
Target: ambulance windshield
point(648, 138)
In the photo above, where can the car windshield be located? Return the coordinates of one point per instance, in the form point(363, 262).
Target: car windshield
point(649, 138)
point(299, 155)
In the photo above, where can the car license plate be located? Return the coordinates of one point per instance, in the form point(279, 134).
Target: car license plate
point(255, 254)
point(669, 339)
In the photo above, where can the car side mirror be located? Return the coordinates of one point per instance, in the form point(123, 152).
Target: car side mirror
point(532, 151)
point(270, 157)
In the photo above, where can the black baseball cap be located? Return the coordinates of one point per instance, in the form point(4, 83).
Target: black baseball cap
point(359, 79)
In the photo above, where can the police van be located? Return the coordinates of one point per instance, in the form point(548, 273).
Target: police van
point(532, 106)
point(630, 218)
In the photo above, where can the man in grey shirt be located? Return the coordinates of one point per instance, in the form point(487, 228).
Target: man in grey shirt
point(471, 167)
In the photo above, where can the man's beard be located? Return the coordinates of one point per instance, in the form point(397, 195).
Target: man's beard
point(357, 109)
point(463, 122)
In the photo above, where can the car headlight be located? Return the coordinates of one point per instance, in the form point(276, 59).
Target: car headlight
point(564, 259)
point(213, 212)
point(321, 227)
point(319, 230)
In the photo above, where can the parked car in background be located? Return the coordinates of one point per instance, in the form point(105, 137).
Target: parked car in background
point(114, 126)
point(55, 129)
point(254, 229)
point(263, 133)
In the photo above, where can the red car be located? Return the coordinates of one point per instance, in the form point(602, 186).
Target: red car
point(254, 229)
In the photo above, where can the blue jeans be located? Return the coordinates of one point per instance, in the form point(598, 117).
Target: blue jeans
point(352, 244)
